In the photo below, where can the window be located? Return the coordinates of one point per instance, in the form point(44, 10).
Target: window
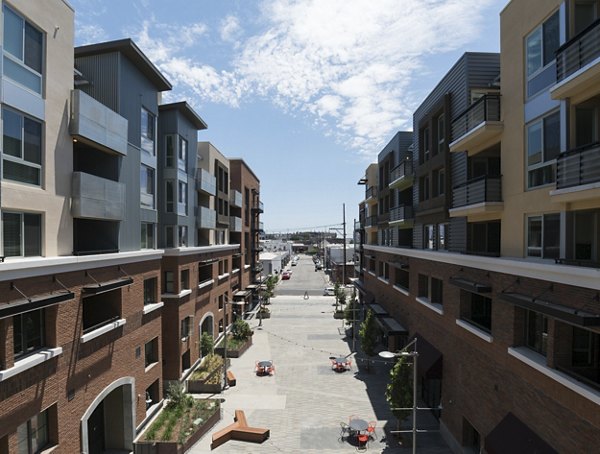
point(476, 309)
point(169, 239)
point(147, 238)
point(585, 237)
point(401, 278)
point(186, 327)
point(441, 133)
point(23, 51)
point(442, 239)
point(431, 289)
point(22, 146)
point(169, 282)
point(182, 236)
point(543, 147)
point(424, 188)
point(150, 286)
point(28, 332)
point(169, 196)
point(536, 331)
point(185, 279)
point(541, 45)
point(384, 271)
point(182, 197)
point(151, 352)
point(147, 129)
point(483, 238)
point(543, 236)
point(182, 161)
point(33, 435)
point(22, 234)
point(429, 236)
point(169, 151)
point(439, 182)
point(146, 186)
point(426, 145)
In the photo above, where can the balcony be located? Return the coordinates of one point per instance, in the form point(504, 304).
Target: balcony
point(371, 221)
point(235, 224)
point(479, 196)
point(402, 175)
point(478, 127)
point(260, 208)
point(371, 193)
point(206, 218)
point(236, 199)
point(205, 182)
point(578, 66)
point(578, 174)
point(401, 216)
point(97, 198)
point(94, 123)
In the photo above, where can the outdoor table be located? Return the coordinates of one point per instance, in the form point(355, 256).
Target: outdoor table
point(263, 366)
point(358, 425)
point(340, 363)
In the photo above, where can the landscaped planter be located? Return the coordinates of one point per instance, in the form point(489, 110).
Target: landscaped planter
point(338, 315)
point(235, 352)
point(175, 447)
point(200, 386)
point(263, 315)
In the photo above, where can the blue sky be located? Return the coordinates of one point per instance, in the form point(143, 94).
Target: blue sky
point(307, 92)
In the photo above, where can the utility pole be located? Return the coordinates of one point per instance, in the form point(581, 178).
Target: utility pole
point(344, 266)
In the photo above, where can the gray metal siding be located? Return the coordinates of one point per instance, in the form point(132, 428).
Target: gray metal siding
point(458, 167)
point(102, 73)
point(418, 236)
point(130, 233)
point(457, 241)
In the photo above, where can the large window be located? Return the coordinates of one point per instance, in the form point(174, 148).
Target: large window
point(536, 331)
point(431, 289)
point(169, 196)
point(182, 157)
point(543, 147)
point(147, 239)
point(28, 332)
point(151, 352)
point(170, 151)
point(169, 282)
point(22, 146)
point(401, 278)
point(476, 309)
point(33, 435)
point(186, 327)
point(182, 197)
point(23, 51)
point(540, 47)
point(22, 234)
point(543, 236)
point(147, 130)
point(146, 186)
point(182, 236)
point(150, 287)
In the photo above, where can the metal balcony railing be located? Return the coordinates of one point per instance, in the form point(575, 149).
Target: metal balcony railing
point(404, 169)
point(486, 108)
point(478, 190)
point(578, 51)
point(401, 213)
point(578, 166)
point(371, 221)
point(371, 192)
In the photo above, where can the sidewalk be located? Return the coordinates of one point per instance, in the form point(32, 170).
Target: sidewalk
point(305, 401)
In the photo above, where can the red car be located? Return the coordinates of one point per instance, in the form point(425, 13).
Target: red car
point(285, 275)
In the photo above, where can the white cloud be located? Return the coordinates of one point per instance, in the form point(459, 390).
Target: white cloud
point(350, 64)
point(89, 33)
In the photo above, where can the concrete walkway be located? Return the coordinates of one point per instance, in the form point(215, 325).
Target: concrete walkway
point(305, 401)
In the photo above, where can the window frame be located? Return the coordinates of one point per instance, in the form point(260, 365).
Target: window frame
point(544, 161)
point(540, 29)
point(148, 237)
point(40, 338)
point(182, 150)
point(23, 233)
point(32, 430)
point(150, 291)
point(147, 176)
point(182, 197)
point(21, 160)
point(543, 246)
point(539, 333)
point(148, 131)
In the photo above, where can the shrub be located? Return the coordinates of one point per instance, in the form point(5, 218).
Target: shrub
point(241, 330)
point(207, 344)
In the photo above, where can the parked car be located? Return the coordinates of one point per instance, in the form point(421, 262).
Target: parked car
point(286, 275)
point(318, 266)
point(294, 263)
point(329, 291)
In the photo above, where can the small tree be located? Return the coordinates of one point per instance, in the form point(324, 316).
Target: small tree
point(398, 392)
point(336, 292)
point(269, 291)
point(368, 334)
point(207, 344)
point(342, 297)
point(349, 312)
point(240, 330)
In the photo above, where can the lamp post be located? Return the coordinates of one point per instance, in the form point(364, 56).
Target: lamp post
point(260, 299)
point(226, 384)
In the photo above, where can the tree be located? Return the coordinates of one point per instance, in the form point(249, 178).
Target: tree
point(368, 334)
point(399, 391)
point(241, 330)
point(349, 312)
point(207, 343)
point(336, 292)
point(268, 293)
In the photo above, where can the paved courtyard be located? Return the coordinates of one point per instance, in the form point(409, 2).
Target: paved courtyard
point(305, 401)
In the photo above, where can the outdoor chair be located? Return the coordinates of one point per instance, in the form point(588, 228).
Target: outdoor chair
point(363, 441)
point(344, 431)
point(371, 429)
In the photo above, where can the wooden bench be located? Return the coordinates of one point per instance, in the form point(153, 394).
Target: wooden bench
point(231, 381)
point(239, 430)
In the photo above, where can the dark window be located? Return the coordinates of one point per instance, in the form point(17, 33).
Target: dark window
point(28, 332)
point(543, 236)
point(150, 286)
point(22, 142)
point(22, 234)
point(536, 331)
point(185, 279)
point(169, 282)
point(186, 327)
point(151, 352)
point(543, 147)
point(402, 278)
point(476, 309)
point(33, 435)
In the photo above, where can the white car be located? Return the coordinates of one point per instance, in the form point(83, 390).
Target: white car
point(329, 291)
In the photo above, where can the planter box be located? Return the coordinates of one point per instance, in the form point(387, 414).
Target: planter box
point(200, 386)
point(264, 315)
point(173, 447)
point(235, 353)
point(338, 315)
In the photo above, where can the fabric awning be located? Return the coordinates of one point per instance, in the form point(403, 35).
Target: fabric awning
point(514, 436)
point(469, 285)
point(36, 302)
point(378, 311)
point(565, 313)
point(391, 327)
point(106, 286)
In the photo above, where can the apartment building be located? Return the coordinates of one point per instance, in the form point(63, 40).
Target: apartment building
point(500, 286)
point(95, 316)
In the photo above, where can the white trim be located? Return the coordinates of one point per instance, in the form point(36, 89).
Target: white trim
point(372, 274)
point(206, 283)
point(561, 274)
point(152, 307)
point(474, 330)
point(30, 361)
point(538, 362)
point(234, 271)
point(435, 307)
point(223, 276)
point(181, 294)
point(575, 189)
point(402, 290)
point(150, 366)
point(384, 280)
point(102, 330)
point(200, 249)
point(246, 267)
point(24, 267)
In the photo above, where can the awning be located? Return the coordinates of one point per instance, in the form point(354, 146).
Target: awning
point(242, 293)
point(471, 286)
point(33, 303)
point(430, 358)
point(391, 327)
point(251, 287)
point(514, 436)
point(360, 287)
point(565, 313)
point(106, 286)
point(378, 310)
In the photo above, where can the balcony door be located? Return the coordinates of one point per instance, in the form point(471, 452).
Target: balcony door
point(586, 123)
point(586, 12)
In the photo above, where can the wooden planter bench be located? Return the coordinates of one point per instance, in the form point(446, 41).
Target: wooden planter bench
point(231, 381)
point(239, 430)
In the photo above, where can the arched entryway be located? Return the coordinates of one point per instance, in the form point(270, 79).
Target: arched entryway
point(109, 422)
point(206, 325)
